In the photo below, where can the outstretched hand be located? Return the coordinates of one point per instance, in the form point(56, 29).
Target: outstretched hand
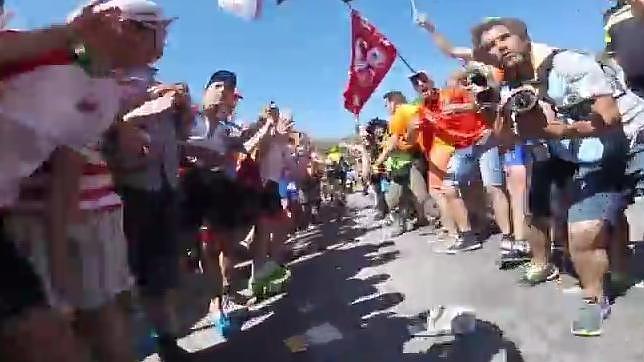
point(284, 125)
point(423, 21)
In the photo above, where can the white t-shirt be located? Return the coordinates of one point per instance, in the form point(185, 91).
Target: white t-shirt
point(46, 108)
point(274, 160)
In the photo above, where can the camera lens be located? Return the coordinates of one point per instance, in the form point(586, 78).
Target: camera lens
point(523, 101)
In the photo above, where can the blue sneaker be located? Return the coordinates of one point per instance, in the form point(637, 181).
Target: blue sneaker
point(224, 324)
point(147, 344)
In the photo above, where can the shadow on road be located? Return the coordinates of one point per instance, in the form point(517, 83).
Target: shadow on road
point(326, 294)
point(486, 344)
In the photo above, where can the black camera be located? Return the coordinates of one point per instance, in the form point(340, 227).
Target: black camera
point(476, 77)
point(523, 100)
point(578, 110)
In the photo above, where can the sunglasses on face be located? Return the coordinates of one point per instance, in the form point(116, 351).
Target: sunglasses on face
point(148, 25)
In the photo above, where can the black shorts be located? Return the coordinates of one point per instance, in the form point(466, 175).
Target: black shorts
point(214, 198)
point(20, 286)
point(270, 201)
point(151, 225)
point(548, 182)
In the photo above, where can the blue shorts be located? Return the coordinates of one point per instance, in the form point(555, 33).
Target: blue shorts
point(597, 193)
point(474, 162)
point(516, 156)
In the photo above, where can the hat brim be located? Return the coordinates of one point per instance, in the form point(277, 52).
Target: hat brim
point(144, 18)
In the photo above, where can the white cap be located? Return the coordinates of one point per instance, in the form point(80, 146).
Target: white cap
point(137, 10)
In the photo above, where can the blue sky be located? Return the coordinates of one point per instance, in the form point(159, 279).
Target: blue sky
point(298, 53)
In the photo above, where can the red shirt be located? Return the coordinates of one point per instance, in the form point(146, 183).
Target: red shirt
point(459, 129)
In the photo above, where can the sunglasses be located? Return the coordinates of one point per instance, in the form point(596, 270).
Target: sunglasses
point(142, 25)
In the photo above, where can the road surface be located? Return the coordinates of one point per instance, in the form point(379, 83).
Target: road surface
point(360, 300)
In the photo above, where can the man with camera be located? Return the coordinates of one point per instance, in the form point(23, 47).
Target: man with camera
point(574, 109)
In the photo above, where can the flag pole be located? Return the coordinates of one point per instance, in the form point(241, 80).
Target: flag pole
point(357, 125)
point(414, 9)
point(411, 69)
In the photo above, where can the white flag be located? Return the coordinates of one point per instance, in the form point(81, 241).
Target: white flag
point(246, 9)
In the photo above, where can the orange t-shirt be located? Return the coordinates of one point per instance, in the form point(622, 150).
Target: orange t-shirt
point(404, 115)
point(460, 129)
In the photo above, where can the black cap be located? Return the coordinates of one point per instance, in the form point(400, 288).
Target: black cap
point(227, 77)
point(392, 94)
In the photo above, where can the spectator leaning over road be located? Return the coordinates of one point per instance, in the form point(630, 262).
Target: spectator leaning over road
point(143, 153)
point(71, 62)
point(584, 132)
point(515, 158)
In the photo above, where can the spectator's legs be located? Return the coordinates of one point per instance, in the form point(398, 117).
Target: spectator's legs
point(517, 188)
point(492, 177)
point(588, 241)
point(418, 186)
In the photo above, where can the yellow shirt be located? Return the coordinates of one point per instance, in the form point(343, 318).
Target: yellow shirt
point(399, 124)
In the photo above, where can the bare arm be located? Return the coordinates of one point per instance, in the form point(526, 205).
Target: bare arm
point(62, 209)
point(251, 144)
point(16, 46)
point(464, 54)
point(544, 123)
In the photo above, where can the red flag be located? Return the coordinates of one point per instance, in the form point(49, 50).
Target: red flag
point(371, 58)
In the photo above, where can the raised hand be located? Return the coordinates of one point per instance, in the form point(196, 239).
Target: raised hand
point(423, 21)
point(284, 125)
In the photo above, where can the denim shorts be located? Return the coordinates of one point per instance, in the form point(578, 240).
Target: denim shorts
point(474, 163)
point(597, 193)
point(516, 156)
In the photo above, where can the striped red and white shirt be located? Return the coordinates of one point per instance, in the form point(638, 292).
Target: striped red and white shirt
point(46, 102)
point(97, 191)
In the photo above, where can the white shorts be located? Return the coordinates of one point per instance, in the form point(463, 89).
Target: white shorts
point(98, 253)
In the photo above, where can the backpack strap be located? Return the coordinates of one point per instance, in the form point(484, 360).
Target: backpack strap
point(543, 74)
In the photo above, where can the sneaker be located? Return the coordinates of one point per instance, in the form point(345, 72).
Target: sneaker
point(536, 274)
point(590, 317)
point(258, 282)
point(398, 226)
point(233, 308)
point(462, 244)
point(507, 242)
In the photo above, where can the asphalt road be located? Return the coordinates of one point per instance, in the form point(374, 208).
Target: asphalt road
point(360, 300)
